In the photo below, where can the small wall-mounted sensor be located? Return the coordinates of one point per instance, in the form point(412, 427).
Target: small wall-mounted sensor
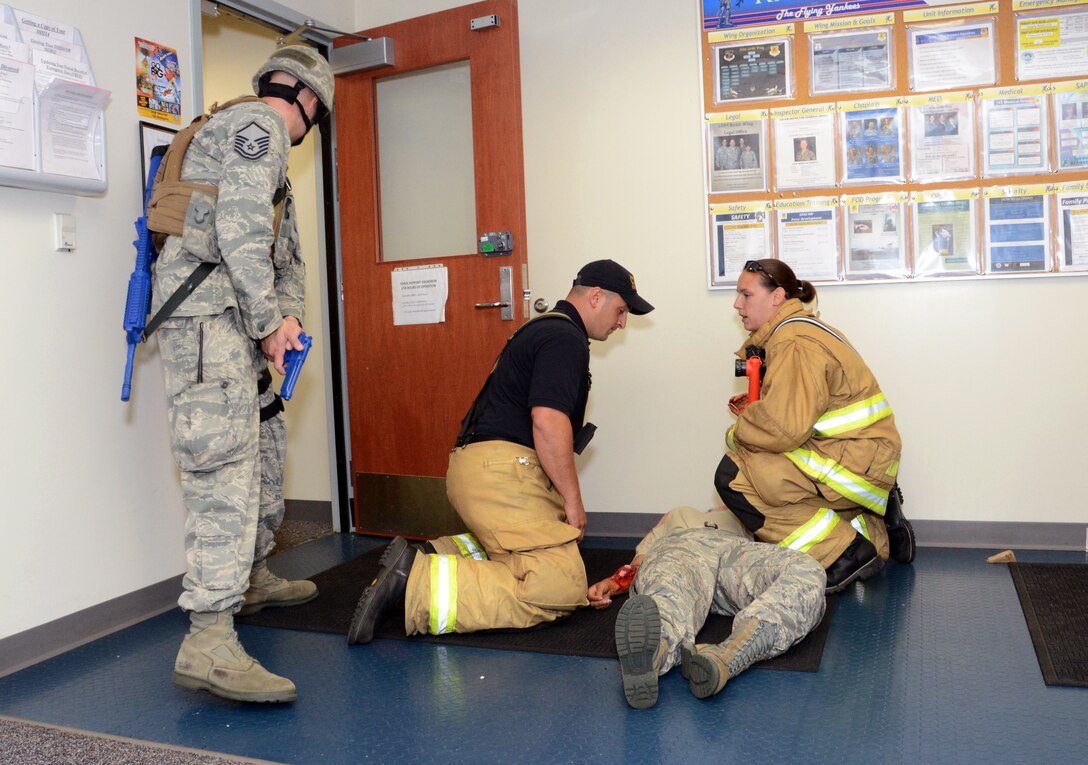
point(483, 22)
point(64, 232)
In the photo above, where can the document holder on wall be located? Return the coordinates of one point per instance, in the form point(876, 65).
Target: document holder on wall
point(52, 144)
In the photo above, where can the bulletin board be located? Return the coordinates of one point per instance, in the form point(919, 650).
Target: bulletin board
point(873, 141)
point(52, 126)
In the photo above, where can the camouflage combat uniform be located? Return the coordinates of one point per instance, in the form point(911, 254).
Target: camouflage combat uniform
point(231, 463)
point(699, 563)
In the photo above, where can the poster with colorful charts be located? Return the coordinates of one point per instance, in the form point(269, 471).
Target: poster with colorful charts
point(1017, 229)
point(1052, 45)
point(805, 146)
point(1014, 130)
point(875, 233)
point(752, 70)
point(1072, 203)
point(942, 137)
point(807, 234)
point(1071, 124)
point(740, 231)
point(872, 150)
point(737, 151)
point(944, 229)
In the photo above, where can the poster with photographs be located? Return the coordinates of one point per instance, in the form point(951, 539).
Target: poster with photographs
point(1014, 131)
point(873, 145)
point(942, 56)
point(1071, 115)
point(741, 231)
point(942, 130)
point(1072, 226)
point(808, 236)
point(847, 62)
point(737, 151)
point(1052, 46)
point(804, 140)
point(944, 232)
point(1017, 229)
point(875, 235)
point(752, 70)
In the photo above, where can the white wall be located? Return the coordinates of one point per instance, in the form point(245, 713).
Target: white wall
point(91, 506)
point(986, 377)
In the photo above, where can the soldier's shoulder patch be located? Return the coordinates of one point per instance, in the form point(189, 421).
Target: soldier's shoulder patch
point(252, 141)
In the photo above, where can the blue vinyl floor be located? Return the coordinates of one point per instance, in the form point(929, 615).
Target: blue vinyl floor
point(930, 663)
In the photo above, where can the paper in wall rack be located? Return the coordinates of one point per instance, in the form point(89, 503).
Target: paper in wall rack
point(52, 127)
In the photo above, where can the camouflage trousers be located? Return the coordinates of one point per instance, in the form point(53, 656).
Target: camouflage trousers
point(695, 572)
point(231, 464)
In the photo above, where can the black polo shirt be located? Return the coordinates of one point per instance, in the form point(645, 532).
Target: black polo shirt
point(545, 364)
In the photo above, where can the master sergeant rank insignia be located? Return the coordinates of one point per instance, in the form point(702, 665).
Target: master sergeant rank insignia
point(251, 142)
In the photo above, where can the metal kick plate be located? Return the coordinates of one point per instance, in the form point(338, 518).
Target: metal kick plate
point(404, 505)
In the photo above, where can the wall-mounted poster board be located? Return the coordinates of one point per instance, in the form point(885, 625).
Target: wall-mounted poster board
point(890, 134)
point(52, 127)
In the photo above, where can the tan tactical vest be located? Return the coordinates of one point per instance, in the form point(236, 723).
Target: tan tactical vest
point(170, 195)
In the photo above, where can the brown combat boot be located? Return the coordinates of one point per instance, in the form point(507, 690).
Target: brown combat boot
point(709, 667)
point(266, 589)
point(212, 659)
point(641, 650)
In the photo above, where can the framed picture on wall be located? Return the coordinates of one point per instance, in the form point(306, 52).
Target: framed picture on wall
point(749, 71)
point(851, 62)
point(152, 135)
point(737, 151)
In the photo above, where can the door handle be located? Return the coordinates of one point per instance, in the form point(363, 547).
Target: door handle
point(506, 295)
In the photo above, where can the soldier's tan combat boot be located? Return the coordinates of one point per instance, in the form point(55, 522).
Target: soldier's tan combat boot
point(709, 667)
point(212, 659)
point(641, 650)
point(266, 589)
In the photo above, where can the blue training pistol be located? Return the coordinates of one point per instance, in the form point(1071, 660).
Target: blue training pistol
point(292, 362)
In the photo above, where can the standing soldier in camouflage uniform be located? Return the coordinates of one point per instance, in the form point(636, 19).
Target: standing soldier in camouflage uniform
point(227, 433)
point(694, 564)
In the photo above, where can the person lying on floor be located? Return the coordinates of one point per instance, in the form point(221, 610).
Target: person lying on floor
point(693, 564)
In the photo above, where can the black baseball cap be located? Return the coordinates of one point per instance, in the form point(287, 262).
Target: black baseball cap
point(610, 275)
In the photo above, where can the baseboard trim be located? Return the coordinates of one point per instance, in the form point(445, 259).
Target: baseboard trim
point(61, 635)
point(969, 534)
point(27, 648)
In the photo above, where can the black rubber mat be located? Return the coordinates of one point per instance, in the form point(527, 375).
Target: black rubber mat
point(1054, 597)
point(587, 632)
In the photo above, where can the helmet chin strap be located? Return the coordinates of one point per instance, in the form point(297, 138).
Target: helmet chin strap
point(288, 93)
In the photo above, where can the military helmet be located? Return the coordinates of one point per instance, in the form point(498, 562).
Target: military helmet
point(305, 63)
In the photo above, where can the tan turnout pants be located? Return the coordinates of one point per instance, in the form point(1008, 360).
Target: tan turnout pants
point(534, 571)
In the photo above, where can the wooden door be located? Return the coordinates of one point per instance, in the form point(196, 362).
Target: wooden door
point(409, 386)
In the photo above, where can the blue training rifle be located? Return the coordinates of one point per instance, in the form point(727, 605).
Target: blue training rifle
point(138, 302)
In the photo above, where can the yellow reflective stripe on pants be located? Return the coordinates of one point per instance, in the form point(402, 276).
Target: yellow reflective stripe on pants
point(861, 526)
point(840, 479)
point(815, 530)
point(443, 615)
point(855, 416)
point(469, 547)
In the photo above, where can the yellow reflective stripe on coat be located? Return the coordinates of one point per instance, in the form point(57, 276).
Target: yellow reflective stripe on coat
point(840, 479)
point(443, 616)
point(469, 547)
point(814, 530)
point(857, 415)
point(861, 526)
